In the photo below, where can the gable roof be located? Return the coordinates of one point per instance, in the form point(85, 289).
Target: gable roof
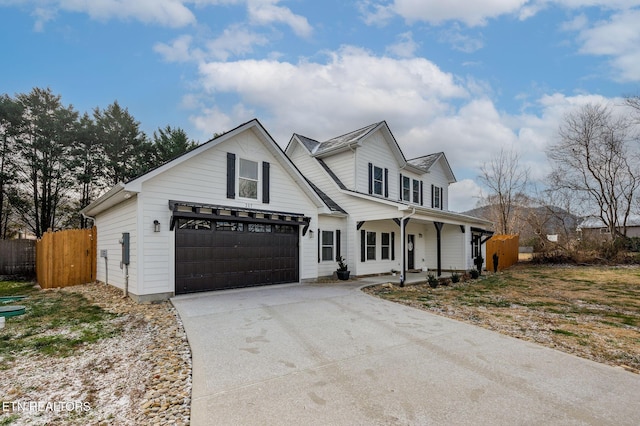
point(426, 162)
point(123, 191)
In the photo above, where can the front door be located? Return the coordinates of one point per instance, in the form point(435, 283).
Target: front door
point(411, 264)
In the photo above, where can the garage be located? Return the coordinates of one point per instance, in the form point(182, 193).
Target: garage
point(217, 250)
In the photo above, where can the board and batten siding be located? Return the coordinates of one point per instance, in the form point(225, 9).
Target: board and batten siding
point(111, 224)
point(202, 179)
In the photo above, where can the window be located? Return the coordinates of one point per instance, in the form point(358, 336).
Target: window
point(436, 197)
point(248, 179)
point(229, 226)
point(406, 188)
point(259, 227)
point(201, 224)
point(327, 245)
point(385, 242)
point(378, 181)
point(286, 229)
point(416, 191)
point(371, 246)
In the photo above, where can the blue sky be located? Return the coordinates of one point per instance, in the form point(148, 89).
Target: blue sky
point(467, 77)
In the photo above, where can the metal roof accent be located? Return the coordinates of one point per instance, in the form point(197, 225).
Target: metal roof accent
point(425, 162)
point(345, 140)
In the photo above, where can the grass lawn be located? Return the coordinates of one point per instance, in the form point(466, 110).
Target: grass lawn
point(55, 323)
point(592, 312)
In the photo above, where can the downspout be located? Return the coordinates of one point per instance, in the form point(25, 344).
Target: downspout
point(402, 248)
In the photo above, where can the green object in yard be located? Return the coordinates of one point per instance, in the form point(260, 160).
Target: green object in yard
point(11, 311)
point(7, 299)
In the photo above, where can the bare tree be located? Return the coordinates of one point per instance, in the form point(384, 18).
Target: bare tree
point(634, 102)
point(593, 159)
point(507, 181)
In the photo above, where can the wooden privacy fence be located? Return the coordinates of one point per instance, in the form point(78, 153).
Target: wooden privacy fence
point(506, 247)
point(17, 257)
point(66, 258)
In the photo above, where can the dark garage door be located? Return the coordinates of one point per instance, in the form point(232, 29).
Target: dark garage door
point(216, 255)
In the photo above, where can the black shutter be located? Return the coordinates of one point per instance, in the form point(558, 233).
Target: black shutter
point(319, 238)
point(265, 182)
point(393, 246)
point(338, 254)
point(231, 175)
point(363, 247)
point(370, 178)
point(441, 200)
point(386, 182)
point(432, 195)
point(421, 193)
point(400, 196)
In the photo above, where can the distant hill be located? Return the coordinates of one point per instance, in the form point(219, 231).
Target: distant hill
point(533, 221)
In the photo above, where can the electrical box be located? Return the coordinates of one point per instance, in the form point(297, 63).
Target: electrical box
point(124, 241)
point(103, 253)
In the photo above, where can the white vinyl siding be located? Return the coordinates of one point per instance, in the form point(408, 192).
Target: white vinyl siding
point(202, 179)
point(111, 224)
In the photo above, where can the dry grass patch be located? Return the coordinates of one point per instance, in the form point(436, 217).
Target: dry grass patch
point(592, 312)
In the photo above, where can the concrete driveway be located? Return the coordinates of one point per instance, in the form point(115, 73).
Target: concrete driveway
point(332, 355)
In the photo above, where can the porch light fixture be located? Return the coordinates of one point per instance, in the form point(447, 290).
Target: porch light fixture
point(156, 226)
point(310, 234)
point(419, 235)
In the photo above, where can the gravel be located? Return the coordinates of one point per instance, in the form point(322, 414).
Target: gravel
point(141, 376)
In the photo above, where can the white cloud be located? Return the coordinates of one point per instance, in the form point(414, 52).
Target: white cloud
point(405, 47)
point(178, 51)
point(265, 12)
point(464, 195)
point(171, 13)
point(473, 13)
point(236, 40)
point(352, 88)
point(460, 41)
point(619, 38)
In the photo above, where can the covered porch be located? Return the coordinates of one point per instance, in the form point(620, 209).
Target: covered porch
point(419, 242)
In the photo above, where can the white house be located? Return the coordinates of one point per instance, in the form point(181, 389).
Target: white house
point(238, 211)
point(397, 209)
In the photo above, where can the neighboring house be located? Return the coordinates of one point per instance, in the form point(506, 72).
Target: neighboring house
point(397, 209)
point(237, 211)
point(593, 228)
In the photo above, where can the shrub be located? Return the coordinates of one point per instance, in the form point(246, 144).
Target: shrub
point(455, 277)
point(474, 273)
point(432, 280)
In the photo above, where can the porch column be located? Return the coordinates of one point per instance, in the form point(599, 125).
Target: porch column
point(402, 253)
point(438, 226)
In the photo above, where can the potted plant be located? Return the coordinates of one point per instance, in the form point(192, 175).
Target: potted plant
point(342, 271)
